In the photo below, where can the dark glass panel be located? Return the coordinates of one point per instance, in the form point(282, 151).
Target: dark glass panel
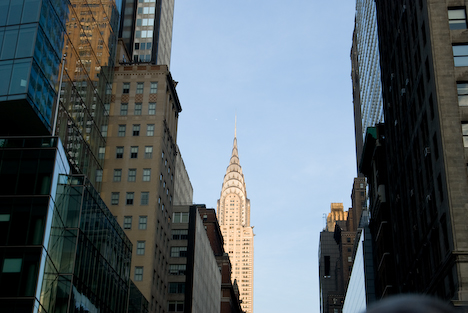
point(4, 5)
point(9, 43)
point(31, 11)
point(5, 75)
point(26, 40)
point(14, 14)
point(20, 76)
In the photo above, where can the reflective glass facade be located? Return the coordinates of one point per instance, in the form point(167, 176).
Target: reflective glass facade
point(89, 264)
point(90, 46)
point(61, 249)
point(34, 35)
point(370, 92)
point(29, 172)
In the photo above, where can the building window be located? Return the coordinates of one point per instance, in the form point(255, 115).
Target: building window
point(152, 108)
point(177, 269)
point(139, 89)
point(102, 152)
point(115, 198)
point(123, 109)
point(126, 88)
point(179, 234)
point(142, 222)
point(104, 131)
point(132, 174)
point(119, 152)
point(148, 152)
point(127, 222)
point(122, 130)
point(11, 265)
point(462, 89)
point(154, 87)
point(98, 176)
point(144, 198)
point(138, 273)
point(465, 134)
point(133, 152)
point(150, 130)
point(146, 174)
point(117, 174)
point(180, 217)
point(178, 252)
point(457, 18)
point(137, 109)
point(350, 259)
point(136, 130)
point(176, 287)
point(460, 55)
point(140, 248)
point(130, 196)
point(176, 306)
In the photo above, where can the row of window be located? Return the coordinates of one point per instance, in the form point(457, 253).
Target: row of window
point(142, 222)
point(135, 130)
point(130, 198)
point(140, 87)
point(119, 152)
point(137, 109)
point(132, 173)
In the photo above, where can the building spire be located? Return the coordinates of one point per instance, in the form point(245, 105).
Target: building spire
point(235, 126)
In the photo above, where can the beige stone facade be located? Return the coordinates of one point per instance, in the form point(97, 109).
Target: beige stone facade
point(138, 178)
point(234, 218)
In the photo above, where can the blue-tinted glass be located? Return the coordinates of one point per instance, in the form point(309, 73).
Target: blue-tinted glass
point(5, 74)
point(148, 45)
point(460, 50)
point(461, 61)
point(19, 77)
point(31, 11)
point(9, 43)
point(14, 15)
point(4, 4)
point(26, 40)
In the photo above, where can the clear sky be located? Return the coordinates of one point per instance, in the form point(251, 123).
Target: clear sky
point(284, 68)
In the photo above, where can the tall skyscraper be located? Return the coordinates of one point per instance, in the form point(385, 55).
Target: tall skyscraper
point(365, 60)
point(234, 218)
point(139, 176)
point(146, 28)
point(424, 51)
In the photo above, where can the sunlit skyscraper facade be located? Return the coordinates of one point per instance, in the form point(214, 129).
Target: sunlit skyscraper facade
point(234, 218)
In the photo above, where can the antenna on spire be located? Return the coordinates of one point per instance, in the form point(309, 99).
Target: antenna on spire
point(235, 126)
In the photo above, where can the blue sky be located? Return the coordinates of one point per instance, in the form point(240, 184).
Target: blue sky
point(284, 68)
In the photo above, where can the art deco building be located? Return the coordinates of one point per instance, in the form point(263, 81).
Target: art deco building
point(146, 28)
point(139, 176)
point(424, 66)
point(234, 219)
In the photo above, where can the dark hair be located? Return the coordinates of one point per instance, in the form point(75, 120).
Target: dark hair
point(410, 303)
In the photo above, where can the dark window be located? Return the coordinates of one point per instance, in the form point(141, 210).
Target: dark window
point(126, 88)
point(119, 152)
point(327, 265)
point(136, 130)
point(138, 273)
point(133, 152)
point(130, 196)
point(176, 287)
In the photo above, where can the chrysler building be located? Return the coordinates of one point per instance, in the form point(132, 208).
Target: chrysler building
point(234, 218)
